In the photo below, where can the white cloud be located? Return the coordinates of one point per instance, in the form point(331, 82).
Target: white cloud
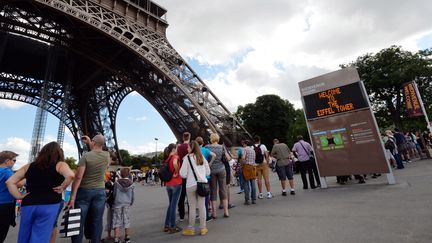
point(19, 146)
point(289, 40)
point(142, 118)
point(22, 147)
point(10, 104)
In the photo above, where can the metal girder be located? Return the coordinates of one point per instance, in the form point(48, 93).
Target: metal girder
point(116, 47)
point(154, 48)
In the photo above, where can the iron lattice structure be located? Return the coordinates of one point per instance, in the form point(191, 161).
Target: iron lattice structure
point(104, 50)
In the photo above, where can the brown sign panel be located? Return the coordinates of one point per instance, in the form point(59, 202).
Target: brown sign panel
point(347, 144)
point(341, 125)
point(412, 100)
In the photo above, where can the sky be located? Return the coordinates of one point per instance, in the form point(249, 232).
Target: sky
point(246, 48)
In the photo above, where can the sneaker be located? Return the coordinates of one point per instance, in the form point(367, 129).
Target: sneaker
point(260, 196)
point(269, 195)
point(246, 203)
point(188, 232)
point(181, 219)
point(175, 230)
point(253, 202)
point(221, 206)
point(116, 240)
point(292, 192)
point(127, 240)
point(284, 193)
point(240, 192)
point(203, 231)
point(231, 206)
point(209, 219)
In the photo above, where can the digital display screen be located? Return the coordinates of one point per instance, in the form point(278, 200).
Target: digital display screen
point(334, 101)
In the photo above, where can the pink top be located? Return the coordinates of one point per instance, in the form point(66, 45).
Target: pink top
point(176, 179)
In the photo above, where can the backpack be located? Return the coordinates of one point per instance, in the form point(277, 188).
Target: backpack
point(165, 174)
point(389, 145)
point(259, 157)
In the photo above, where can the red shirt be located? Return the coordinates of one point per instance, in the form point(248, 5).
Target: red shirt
point(176, 179)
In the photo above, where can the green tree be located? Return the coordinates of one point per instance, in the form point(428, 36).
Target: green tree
point(72, 162)
point(269, 117)
point(299, 127)
point(126, 157)
point(384, 74)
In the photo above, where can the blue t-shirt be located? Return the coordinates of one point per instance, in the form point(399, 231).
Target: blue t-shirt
point(5, 196)
point(239, 153)
point(206, 153)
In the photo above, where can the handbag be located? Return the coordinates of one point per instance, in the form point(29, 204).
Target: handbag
point(249, 172)
point(203, 188)
point(70, 223)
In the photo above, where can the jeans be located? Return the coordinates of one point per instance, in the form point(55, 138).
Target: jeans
point(249, 186)
point(173, 196)
point(91, 201)
point(242, 181)
point(398, 159)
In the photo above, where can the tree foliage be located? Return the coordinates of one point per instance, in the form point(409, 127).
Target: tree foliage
point(384, 74)
point(271, 117)
point(126, 157)
point(138, 161)
point(72, 162)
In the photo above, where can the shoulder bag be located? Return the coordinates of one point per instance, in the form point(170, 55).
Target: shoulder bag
point(203, 188)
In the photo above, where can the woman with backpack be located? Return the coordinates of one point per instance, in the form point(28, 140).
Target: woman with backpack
point(173, 187)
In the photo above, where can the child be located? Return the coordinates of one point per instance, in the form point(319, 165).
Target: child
point(123, 199)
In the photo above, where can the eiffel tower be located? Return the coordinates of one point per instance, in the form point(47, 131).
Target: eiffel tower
point(78, 59)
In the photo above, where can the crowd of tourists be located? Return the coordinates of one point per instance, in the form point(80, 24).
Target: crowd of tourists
point(192, 172)
point(192, 163)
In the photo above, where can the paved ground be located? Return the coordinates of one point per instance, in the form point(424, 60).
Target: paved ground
point(371, 212)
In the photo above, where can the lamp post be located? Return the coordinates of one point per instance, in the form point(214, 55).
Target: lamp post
point(156, 139)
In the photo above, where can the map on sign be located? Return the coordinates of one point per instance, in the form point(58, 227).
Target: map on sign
point(334, 101)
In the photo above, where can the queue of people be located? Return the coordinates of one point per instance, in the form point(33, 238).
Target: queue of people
point(191, 163)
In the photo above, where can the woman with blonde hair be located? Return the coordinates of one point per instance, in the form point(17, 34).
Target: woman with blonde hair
point(46, 178)
point(218, 175)
point(194, 169)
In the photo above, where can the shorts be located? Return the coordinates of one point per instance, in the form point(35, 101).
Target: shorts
point(121, 217)
point(262, 171)
point(284, 172)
